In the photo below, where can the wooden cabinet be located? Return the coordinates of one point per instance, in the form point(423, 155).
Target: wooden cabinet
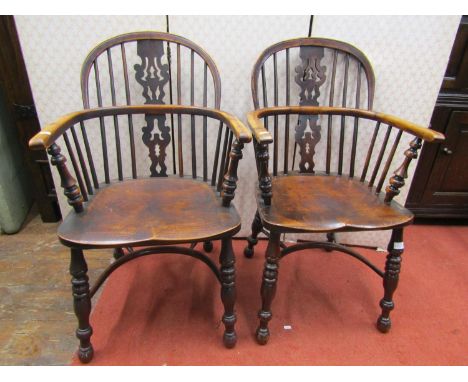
point(440, 184)
point(19, 102)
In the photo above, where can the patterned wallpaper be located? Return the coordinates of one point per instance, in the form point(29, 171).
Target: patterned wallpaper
point(409, 55)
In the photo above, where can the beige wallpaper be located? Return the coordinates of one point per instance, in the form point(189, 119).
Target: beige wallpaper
point(409, 55)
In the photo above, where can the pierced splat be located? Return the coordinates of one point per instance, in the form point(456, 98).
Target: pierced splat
point(309, 76)
point(153, 76)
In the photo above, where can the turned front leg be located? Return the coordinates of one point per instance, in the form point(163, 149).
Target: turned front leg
point(228, 291)
point(81, 304)
point(268, 289)
point(252, 240)
point(390, 280)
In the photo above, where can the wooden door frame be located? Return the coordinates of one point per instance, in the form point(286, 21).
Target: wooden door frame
point(20, 103)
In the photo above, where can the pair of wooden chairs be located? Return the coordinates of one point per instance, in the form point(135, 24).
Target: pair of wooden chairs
point(117, 205)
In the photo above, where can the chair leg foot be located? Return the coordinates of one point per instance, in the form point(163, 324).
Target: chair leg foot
point(249, 250)
point(252, 240)
point(208, 246)
point(118, 253)
point(384, 324)
point(81, 304)
point(229, 337)
point(268, 289)
point(85, 355)
point(331, 238)
point(263, 333)
point(228, 292)
point(390, 279)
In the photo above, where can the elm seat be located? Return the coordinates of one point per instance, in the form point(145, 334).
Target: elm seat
point(141, 212)
point(316, 203)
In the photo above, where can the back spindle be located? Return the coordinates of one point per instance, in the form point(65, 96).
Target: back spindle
point(369, 152)
point(102, 125)
point(223, 160)
point(380, 156)
point(265, 95)
point(383, 176)
point(216, 155)
point(116, 120)
point(72, 157)
point(89, 155)
point(343, 104)
point(205, 123)
point(84, 169)
point(286, 128)
point(171, 100)
point(179, 116)
point(130, 117)
point(192, 117)
point(330, 117)
point(356, 124)
point(275, 118)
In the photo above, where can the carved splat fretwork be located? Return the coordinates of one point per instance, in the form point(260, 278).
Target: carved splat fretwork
point(310, 75)
point(153, 76)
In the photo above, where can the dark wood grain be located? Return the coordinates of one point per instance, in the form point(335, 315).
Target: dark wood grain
point(147, 35)
point(150, 211)
point(328, 204)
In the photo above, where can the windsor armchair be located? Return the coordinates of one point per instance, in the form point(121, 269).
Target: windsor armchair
point(338, 184)
point(119, 186)
point(151, 51)
point(342, 62)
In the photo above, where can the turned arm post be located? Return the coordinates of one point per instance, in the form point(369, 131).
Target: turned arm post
point(68, 183)
point(230, 178)
point(397, 181)
point(264, 178)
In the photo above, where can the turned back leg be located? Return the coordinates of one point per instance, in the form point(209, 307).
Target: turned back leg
point(81, 304)
point(268, 289)
point(252, 240)
point(390, 280)
point(331, 238)
point(228, 291)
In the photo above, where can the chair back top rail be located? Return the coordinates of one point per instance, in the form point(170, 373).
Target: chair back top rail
point(313, 42)
point(90, 62)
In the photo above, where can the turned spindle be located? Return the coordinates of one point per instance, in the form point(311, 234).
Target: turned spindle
point(264, 178)
point(68, 183)
point(390, 279)
point(230, 179)
point(397, 181)
point(228, 291)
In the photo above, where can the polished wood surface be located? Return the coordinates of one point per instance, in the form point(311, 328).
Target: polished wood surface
point(51, 132)
point(312, 202)
point(114, 211)
point(342, 198)
point(262, 135)
point(323, 203)
point(154, 36)
point(307, 43)
point(150, 211)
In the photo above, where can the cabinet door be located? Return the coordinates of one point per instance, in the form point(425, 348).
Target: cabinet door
point(448, 183)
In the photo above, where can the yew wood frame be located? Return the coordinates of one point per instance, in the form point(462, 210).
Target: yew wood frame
point(276, 250)
point(316, 44)
point(82, 293)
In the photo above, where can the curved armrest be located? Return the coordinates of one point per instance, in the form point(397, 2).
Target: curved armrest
point(263, 138)
point(262, 135)
point(47, 136)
